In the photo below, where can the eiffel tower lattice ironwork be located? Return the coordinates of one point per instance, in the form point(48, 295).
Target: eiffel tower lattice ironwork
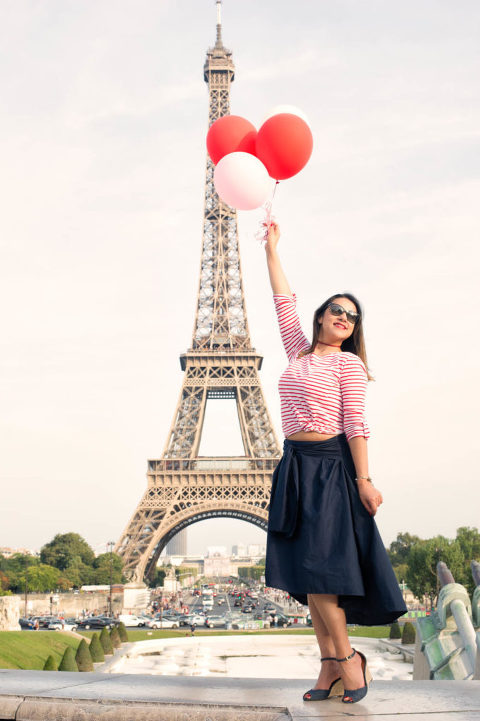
point(183, 487)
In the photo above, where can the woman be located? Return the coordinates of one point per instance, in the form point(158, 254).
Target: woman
point(323, 545)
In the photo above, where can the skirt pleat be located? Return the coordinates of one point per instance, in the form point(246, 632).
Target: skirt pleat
point(321, 538)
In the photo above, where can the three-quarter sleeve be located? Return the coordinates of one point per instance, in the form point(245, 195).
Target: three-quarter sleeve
point(353, 388)
point(293, 338)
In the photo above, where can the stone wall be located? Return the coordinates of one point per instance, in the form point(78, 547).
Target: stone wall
point(9, 613)
point(70, 604)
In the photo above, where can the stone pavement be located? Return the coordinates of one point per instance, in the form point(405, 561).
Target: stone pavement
point(57, 696)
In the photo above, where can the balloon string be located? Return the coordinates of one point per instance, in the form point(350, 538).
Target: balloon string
point(262, 232)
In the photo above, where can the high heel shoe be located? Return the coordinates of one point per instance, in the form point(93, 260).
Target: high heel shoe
point(356, 694)
point(321, 694)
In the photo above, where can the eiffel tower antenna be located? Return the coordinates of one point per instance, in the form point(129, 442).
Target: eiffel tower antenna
point(221, 363)
point(219, 22)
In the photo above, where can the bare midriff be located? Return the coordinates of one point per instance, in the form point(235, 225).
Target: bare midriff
point(310, 436)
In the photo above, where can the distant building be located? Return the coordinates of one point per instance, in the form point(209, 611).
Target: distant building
point(8, 552)
point(239, 549)
point(216, 551)
point(255, 550)
point(178, 545)
point(217, 566)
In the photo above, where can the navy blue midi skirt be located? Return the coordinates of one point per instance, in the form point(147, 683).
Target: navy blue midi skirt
point(322, 539)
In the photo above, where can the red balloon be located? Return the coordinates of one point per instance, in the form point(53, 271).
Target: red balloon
point(230, 134)
point(284, 145)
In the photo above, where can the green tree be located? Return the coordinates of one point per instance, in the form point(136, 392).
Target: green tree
point(102, 568)
point(41, 578)
point(106, 642)
point(50, 664)
point(401, 571)
point(83, 657)
point(68, 662)
point(15, 568)
point(158, 578)
point(469, 541)
point(67, 549)
point(79, 575)
point(400, 548)
point(422, 564)
point(96, 650)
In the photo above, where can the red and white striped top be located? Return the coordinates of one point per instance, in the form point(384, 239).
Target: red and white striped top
point(325, 393)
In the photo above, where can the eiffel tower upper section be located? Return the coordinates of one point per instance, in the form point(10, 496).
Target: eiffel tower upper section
point(221, 319)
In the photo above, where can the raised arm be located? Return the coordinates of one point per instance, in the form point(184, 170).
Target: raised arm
point(278, 280)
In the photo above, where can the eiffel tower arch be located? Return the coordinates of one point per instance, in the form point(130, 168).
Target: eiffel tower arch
point(183, 487)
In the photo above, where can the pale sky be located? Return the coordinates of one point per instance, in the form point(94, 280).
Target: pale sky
point(102, 137)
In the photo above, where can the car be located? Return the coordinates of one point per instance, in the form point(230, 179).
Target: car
point(195, 618)
point(128, 619)
point(162, 623)
point(27, 623)
point(63, 624)
point(247, 609)
point(43, 621)
point(282, 621)
point(97, 622)
point(237, 602)
point(270, 608)
point(220, 601)
point(214, 621)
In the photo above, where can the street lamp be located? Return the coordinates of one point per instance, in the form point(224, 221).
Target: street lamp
point(111, 544)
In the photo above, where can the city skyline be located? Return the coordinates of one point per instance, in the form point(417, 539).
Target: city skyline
point(96, 127)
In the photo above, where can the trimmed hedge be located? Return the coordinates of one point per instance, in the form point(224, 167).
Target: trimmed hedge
point(395, 630)
point(106, 642)
point(68, 662)
point(115, 638)
point(96, 650)
point(408, 635)
point(83, 657)
point(50, 664)
point(122, 632)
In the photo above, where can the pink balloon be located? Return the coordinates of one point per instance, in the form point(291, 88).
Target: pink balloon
point(242, 181)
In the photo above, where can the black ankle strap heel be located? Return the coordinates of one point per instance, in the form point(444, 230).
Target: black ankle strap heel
point(356, 694)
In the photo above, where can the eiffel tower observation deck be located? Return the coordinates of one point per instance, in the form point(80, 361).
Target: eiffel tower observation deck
point(221, 363)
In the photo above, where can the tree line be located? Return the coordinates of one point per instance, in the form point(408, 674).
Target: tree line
point(66, 562)
point(414, 560)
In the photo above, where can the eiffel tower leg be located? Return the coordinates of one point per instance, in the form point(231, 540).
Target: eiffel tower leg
point(183, 492)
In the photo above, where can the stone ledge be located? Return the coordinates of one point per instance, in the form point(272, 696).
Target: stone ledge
point(9, 706)
point(42, 709)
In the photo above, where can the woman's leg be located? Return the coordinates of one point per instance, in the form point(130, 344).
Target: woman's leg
point(333, 618)
point(329, 670)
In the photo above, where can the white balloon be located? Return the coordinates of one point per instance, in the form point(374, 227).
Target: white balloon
point(286, 109)
point(242, 181)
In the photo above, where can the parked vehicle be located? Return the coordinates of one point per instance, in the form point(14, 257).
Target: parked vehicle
point(97, 622)
point(63, 624)
point(282, 621)
point(215, 621)
point(162, 623)
point(195, 618)
point(27, 623)
point(128, 619)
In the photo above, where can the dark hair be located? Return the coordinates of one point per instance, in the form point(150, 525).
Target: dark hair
point(354, 343)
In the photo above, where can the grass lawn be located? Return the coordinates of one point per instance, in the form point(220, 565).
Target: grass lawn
point(144, 635)
point(29, 650)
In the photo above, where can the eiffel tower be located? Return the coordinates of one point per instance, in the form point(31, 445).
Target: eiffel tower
point(221, 363)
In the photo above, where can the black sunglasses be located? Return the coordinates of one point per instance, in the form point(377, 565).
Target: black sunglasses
point(336, 309)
